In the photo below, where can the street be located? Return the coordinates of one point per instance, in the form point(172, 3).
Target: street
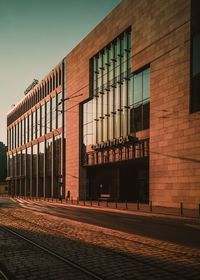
point(110, 244)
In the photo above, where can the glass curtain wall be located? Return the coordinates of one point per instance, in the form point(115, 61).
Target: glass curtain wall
point(105, 117)
point(121, 99)
point(43, 120)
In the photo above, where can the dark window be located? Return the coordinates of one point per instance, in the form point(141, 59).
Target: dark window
point(50, 84)
point(139, 100)
point(56, 79)
point(146, 114)
point(53, 81)
point(195, 60)
point(59, 76)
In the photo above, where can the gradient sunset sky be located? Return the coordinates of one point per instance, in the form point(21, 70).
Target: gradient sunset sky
point(35, 35)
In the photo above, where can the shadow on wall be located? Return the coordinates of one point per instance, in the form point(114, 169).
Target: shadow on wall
point(176, 157)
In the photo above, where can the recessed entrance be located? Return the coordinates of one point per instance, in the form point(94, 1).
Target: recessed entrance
point(122, 181)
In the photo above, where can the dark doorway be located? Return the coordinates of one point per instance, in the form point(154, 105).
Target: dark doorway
point(134, 182)
point(122, 181)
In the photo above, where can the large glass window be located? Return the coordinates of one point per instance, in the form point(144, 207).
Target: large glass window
point(8, 138)
point(59, 110)
point(139, 98)
point(34, 125)
point(57, 165)
point(120, 103)
point(20, 135)
point(34, 169)
point(11, 166)
point(42, 120)
point(28, 171)
point(30, 127)
point(38, 122)
point(25, 130)
point(14, 136)
point(48, 117)
point(106, 116)
point(54, 113)
point(48, 183)
point(22, 131)
point(23, 162)
point(23, 173)
point(41, 170)
point(88, 123)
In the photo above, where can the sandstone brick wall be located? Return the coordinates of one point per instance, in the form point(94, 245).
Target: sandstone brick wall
point(161, 38)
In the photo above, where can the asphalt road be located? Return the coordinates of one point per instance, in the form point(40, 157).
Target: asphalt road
point(176, 230)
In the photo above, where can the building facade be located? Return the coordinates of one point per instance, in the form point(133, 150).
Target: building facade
point(137, 123)
point(36, 139)
point(130, 111)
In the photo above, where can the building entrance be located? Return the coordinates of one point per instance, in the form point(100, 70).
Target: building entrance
point(122, 181)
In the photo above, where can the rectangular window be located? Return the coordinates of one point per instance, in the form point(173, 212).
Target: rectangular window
point(42, 120)
point(59, 110)
point(41, 169)
point(139, 100)
point(48, 117)
point(38, 122)
point(17, 135)
point(34, 125)
point(20, 135)
point(54, 113)
point(30, 128)
point(195, 79)
point(22, 132)
point(195, 60)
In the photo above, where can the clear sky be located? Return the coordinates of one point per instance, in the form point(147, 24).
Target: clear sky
point(35, 35)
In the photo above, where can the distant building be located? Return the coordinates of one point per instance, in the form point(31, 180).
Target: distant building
point(36, 138)
point(120, 116)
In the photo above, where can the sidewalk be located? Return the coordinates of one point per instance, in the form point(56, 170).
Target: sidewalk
point(124, 207)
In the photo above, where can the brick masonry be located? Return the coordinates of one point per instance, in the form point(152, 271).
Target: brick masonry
point(161, 38)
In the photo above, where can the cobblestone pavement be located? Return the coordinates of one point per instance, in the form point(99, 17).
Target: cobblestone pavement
point(109, 253)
